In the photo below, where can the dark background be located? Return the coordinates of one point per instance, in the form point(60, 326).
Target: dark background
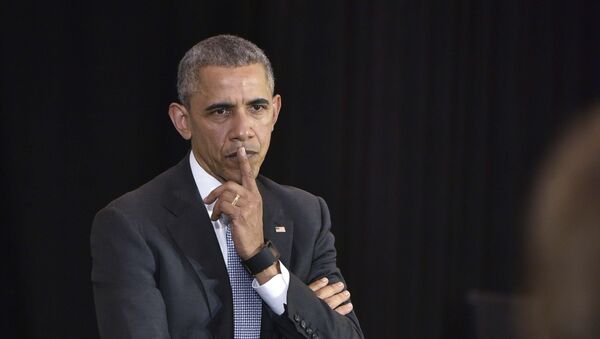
point(420, 122)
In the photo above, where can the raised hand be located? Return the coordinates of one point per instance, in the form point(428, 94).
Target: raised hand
point(243, 205)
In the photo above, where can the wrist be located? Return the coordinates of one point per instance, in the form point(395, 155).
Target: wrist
point(268, 273)
point(249, 254)
point(264, 259)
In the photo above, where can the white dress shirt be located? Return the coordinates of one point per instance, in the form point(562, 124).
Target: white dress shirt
point(274, 291)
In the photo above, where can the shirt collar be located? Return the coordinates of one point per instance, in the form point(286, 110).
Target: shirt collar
point(205, 182)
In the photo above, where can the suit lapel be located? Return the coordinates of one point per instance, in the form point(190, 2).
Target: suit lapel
point(193, 232)
point(274, 217)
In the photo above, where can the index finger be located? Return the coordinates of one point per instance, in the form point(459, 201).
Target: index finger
point(248, 180)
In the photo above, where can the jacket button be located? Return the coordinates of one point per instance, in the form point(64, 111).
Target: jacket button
point(296, 318)
point(303, 324)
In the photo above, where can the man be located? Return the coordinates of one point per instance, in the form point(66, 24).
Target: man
point(209, 249)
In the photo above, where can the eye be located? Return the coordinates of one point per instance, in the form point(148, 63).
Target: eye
point(220, 112)
point(258, 107)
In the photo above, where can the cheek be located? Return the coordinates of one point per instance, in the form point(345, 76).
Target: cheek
point(264, 134)
point(211, 140)
point(264, 143)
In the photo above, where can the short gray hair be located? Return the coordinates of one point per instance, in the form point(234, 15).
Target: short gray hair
point(220, 50)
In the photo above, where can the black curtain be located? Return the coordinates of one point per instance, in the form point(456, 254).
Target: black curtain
point(420, 122)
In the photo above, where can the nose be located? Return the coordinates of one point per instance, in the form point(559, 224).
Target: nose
point(242, 127)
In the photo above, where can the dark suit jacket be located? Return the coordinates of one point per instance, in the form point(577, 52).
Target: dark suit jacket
point(158, 271)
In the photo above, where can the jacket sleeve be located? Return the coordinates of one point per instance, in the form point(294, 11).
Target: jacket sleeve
point(128, 303)
point(307, 316)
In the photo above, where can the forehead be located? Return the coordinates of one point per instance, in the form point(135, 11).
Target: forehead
point(243, 79)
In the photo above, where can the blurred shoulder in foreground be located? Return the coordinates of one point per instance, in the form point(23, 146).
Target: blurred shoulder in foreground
point(564, 244)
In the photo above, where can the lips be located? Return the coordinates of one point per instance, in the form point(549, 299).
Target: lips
point(249, 153)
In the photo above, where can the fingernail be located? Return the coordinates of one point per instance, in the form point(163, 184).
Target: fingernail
point(243, 151)
point(324, 280)
point(346, 293)
point(339, 284)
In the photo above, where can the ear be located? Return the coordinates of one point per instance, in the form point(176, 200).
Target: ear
point(180, 119)
point(276, 108)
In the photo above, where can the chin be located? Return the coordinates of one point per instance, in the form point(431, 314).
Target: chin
point(232, 175)
point(236, 175)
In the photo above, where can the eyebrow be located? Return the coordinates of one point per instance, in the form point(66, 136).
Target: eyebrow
point(259, 101)
point(218, 105)
point(227, 105)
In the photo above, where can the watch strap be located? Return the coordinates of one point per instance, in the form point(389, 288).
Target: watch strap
point(266, 257)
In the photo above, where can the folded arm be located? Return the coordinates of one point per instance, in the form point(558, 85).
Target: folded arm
point(307, 315)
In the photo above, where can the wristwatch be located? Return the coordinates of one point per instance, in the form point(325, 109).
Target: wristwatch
point(266, 257)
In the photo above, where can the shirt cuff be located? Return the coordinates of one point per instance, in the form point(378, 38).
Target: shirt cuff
point(274, 291)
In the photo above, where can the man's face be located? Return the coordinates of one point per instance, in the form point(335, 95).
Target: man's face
point(234, 107)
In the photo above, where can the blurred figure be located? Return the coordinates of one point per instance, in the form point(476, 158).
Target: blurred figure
point(564, 248)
